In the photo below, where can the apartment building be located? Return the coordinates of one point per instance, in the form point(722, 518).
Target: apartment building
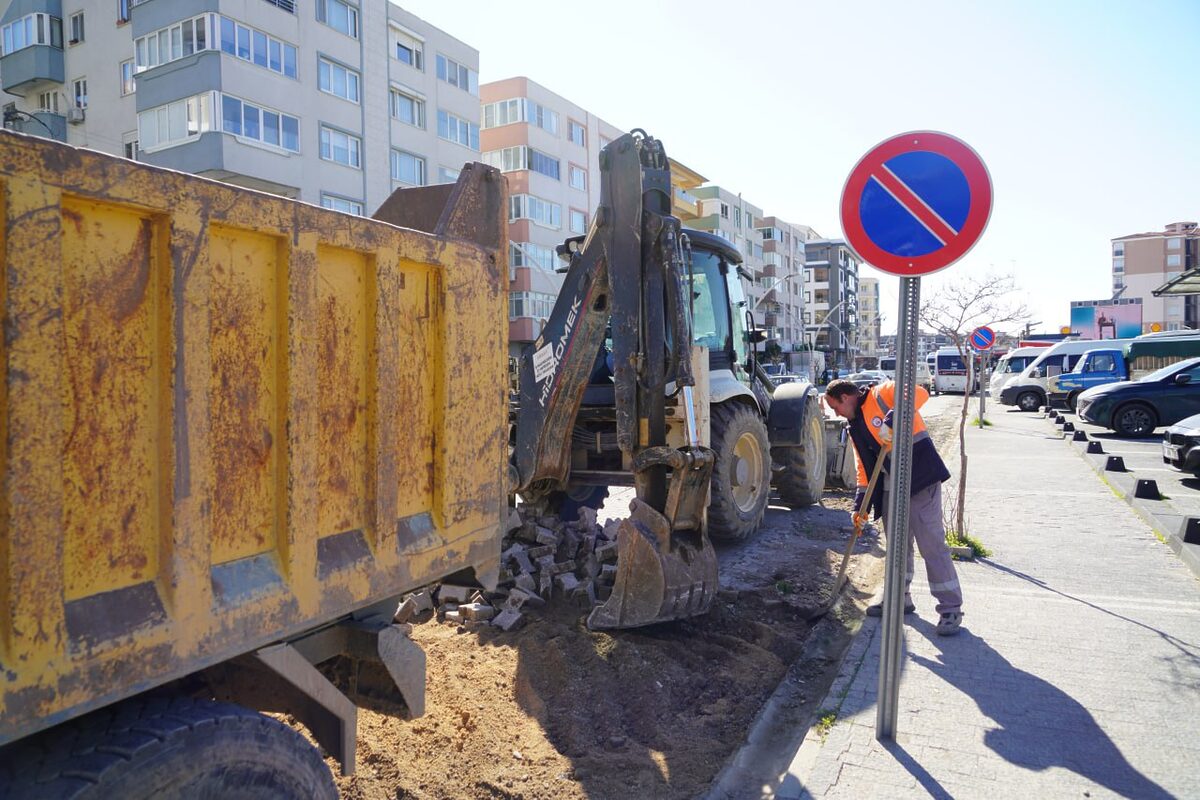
point(1141, 262)
point(549, 149)
point(832, 317)
point(331, 102)
point(869, 322)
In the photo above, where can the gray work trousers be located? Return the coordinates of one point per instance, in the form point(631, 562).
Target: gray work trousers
point(925, 527)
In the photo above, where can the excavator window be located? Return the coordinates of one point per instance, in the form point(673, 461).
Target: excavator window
point(710, 321)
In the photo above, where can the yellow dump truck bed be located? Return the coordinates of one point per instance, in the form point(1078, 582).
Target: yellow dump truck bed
point(229, 418)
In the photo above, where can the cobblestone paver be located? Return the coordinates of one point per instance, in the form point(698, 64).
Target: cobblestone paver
point(1077, 673)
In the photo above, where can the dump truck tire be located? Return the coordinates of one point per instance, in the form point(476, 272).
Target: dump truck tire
point(741, 480)
point(168, 748)
point(803, 478)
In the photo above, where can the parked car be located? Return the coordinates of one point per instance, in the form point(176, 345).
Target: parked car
point(1111, 364)
point(781, 379)
point(868, 377)
point(1136, 408)
point(1027, 390)
point(1181, 444)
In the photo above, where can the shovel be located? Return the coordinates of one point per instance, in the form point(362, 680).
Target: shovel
point(860, 519)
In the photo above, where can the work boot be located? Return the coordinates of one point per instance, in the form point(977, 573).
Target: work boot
point(949, 623)
point(876, 609)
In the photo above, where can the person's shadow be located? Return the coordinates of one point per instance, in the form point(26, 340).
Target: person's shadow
point(1041, 726)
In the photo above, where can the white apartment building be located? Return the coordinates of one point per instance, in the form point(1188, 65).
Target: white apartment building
point(832, 286)
point(868, 320)
point(549, 149)
point(335, 102)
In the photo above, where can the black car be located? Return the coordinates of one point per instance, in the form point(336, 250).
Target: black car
point(1136, 408)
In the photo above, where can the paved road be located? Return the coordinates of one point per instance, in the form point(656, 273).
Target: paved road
point(1077, 674)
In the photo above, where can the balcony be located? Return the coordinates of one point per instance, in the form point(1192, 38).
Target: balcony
point(40, 123)
point(22, 71)
point(706, 223)
point(685, 205)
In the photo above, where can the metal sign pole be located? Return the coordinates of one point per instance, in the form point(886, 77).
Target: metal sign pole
point(983, 380)
point(891, 647)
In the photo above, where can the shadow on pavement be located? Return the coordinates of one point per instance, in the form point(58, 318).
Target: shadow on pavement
point(1041, 726)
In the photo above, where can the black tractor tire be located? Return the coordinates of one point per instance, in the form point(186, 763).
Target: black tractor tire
point(568, 503)
point(802, 480)
point(1029, 401)
point(1072, 400)
point(741, 479)
point(172, 748)
point(1134, 419)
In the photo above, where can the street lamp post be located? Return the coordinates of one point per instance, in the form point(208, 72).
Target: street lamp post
point(842, 338)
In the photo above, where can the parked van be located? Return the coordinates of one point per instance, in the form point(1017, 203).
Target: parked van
point(1027, 391)
point(1112, 363)
point(1011, 364)
point(924, 374)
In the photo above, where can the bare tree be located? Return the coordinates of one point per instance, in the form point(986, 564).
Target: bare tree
point(958, 308)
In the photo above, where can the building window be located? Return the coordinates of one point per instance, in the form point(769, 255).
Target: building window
point(1118, 265)
point(1174, 243)
point(48, 102)
point(76, 28)
point(408, 168)
point(577, 133)
point(342, 204)
point(456, 74)
point(408, 109)
point(724, 211)
point(32, 29)
point(1173, 260)
point(335, 79)
point(456, 130)
point(130, 143)
point(340, 147)
point(447, 174)
point(1118, 248)
point(122, 11)
point(528, 254)
point(409, 50)
point(79, 93)
point(522, 157)
point(604, 142)
point(128, 86)
point(520, 109)
point(530, 304)
point(175, 123)
point(339, 15)
point(543, 212)
point(251, 45)
point(577, 177)
point(578, 221)
point(266, 125)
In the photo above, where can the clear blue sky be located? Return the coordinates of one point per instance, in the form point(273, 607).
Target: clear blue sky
point(1086, 113)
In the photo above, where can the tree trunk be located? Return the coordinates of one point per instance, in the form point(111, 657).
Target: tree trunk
point(960, 510)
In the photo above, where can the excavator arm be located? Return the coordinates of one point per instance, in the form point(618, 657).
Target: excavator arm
point(629, 275)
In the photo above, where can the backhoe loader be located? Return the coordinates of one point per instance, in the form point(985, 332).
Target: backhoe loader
point(607, 396)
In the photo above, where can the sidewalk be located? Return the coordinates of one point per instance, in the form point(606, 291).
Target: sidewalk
point(1077, 673)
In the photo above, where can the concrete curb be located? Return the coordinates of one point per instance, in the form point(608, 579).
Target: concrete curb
point(1158, 514)
point(779, 728)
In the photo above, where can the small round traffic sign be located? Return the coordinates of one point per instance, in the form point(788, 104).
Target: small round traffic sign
point(916, 203)
point(982, 338)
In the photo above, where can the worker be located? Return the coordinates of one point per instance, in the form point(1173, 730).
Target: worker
point(869, 412)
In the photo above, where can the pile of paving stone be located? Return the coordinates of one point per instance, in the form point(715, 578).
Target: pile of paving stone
point(542, 560)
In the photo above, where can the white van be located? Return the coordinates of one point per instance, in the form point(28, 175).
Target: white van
point(949, 371)
point(887, 364)
point(1011, 364)
point(1027, 391)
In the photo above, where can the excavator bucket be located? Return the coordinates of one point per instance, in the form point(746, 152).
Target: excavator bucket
point(657, 584)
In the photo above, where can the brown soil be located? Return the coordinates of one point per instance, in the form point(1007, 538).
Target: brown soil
point(554, 710)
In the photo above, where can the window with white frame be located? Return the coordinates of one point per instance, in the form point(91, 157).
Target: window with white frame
point(343, 204)
point(129, 143)
point(530, 304)
point(521, 157)
point(176, 123)
point(459, 131)
point(340, 147)
point(604, 142)
point(1173, 260)
point(447, 174)
point(128, 85)
point(339, 15)
point(30, 30)
point(407, 108)
point(457, 74)
point(79, 93)
point(408, 50)
point(543, 212)
point(337, 79)
point(408, 168)
point(577, 177)
point(252, 121)
point(578, 221)
point(48, 102)
point(250, 44)
point(76, 28)
point(520, 109)
point(174, 42)
point(528, 254)
point(576, 133)
point(1174, 243)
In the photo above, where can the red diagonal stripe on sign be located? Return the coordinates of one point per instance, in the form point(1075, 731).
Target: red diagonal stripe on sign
point(914, 205)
